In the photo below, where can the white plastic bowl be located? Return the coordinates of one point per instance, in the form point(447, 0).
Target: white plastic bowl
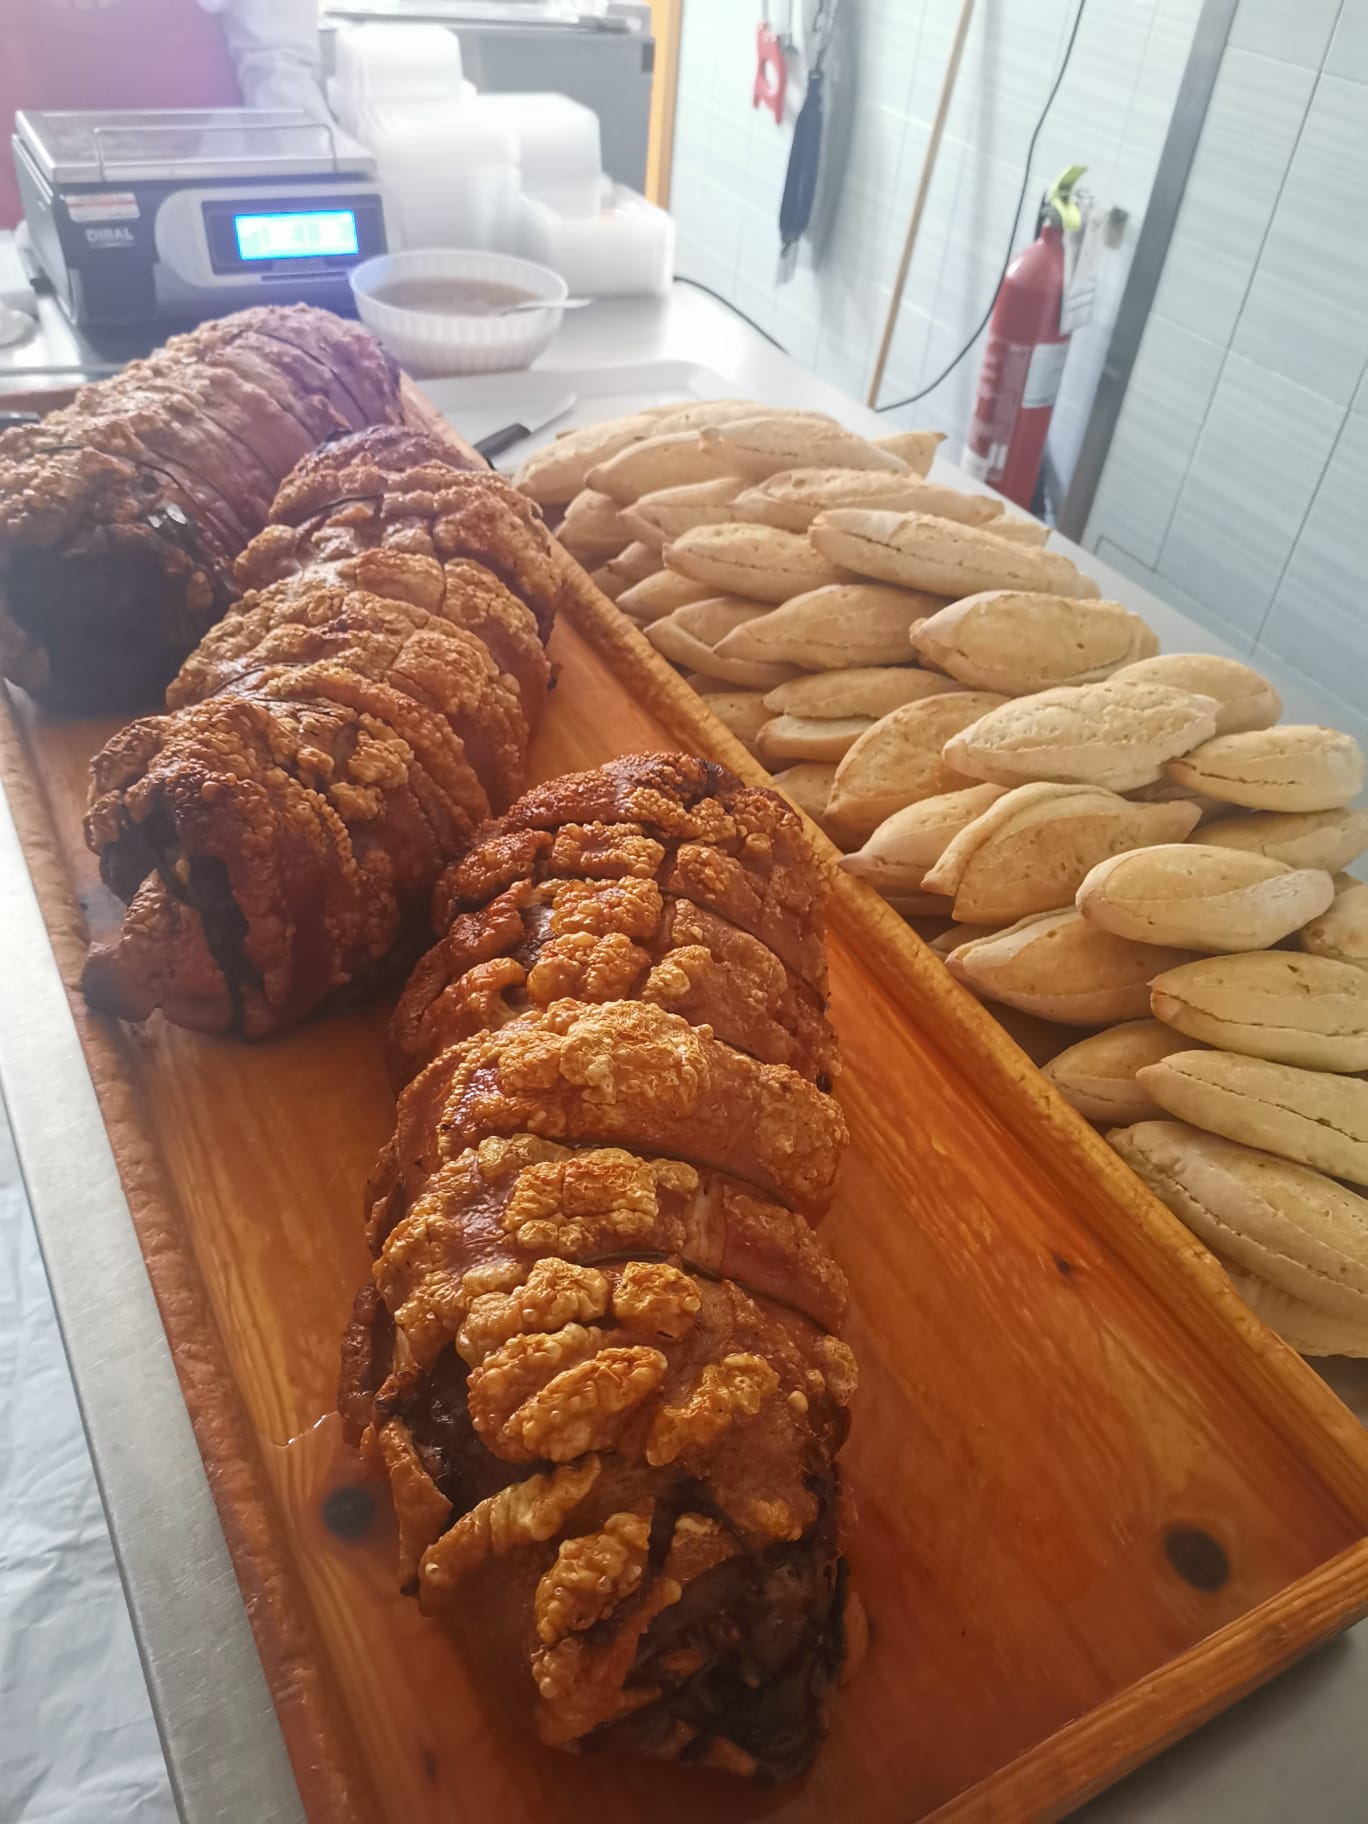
point(433, 342)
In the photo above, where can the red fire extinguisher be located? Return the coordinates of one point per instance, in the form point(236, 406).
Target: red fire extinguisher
point(1023, 363)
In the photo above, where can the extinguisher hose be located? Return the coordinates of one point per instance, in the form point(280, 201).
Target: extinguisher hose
point(896, 405)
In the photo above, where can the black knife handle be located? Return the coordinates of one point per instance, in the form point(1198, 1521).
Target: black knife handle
point(499, 441)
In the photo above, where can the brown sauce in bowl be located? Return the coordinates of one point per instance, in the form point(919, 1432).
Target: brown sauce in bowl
point(452, 297)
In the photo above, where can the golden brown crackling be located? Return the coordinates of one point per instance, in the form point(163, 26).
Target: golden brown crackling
point(605, 941)
point(485, 1219)
point(736, 850)
point(348, 498)
point(629, 1074)
point(461, 600)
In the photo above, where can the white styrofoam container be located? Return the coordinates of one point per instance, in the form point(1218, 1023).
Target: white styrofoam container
point(398, 61)
point(449, 175)
point(558, 141)
point(627, 247)
point(438, 342)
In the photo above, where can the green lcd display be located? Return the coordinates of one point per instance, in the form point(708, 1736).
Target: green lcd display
point(303, 234)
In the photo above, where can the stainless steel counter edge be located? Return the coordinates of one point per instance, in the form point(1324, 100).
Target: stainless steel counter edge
point(224, 1750)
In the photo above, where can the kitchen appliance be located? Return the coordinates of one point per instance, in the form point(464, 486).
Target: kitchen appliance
point(179, 214)
point(604, 58)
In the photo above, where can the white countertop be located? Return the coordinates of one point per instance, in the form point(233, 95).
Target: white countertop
point(76, 1734)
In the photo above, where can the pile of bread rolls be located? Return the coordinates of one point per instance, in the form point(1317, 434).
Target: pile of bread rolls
point(1124, 848)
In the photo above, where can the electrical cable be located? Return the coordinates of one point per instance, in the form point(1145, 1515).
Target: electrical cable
point(698, 285)
point(896, 405)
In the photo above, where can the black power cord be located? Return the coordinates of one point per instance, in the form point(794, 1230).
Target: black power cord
point(896, 405)
point(698, 285)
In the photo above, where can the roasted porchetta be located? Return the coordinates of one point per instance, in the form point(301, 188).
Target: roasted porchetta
point(329, 745)
point(121, 515)
point(598, 1358)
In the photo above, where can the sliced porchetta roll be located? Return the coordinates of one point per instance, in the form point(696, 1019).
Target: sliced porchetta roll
point(603, 1353)
point(331, 744)
point(599, 1357)
point(121, 514)
point(657, 879)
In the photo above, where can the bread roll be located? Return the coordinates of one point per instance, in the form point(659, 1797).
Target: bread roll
point(657, 518)
point(1246, 699)
point(759, 447)
point(1290, 768)
point(557, 472)
point(839, 626)
point(1303, 839)
point(703, 412)
point(950, 940)
point(1342, 933)
point(1202, 899)
point(758, 561)
point(794, 498)
point(1097, 1075)
point(1116, 735)
point(1311, 1011)
point(660, 594)
point(918, 905)
point(687, 637)
point(808, 786)
point(593, 528)
point(1019, 530)
point(1057, 965)
point(1033, 846)
point(660, 461)
point(863, 690)
point(1018, 644)
point(784, 739)
point(1300, 1325)
point(918, 551)
point(1165, 791)
point(896, 857)
point(743, 712)
point(899, 760)
point(1296, 1230)
point(1308, 1116)
point(632, 565)
point(916, 448)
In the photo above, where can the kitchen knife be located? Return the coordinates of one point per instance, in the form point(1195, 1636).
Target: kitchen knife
point(499, 441)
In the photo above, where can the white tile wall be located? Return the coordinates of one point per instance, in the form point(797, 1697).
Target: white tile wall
point(1170, 393)
point(1317, 621)
point(1248, 488)
point(1259, 340)
point(1349, 47)
point(1290, 33)
point(1255, 115)
point(1304, 312)
point(1111, 114)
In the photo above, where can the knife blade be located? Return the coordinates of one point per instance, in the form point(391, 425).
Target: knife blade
point(498, 441)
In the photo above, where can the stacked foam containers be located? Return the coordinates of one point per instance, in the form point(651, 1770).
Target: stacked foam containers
point(505, 173)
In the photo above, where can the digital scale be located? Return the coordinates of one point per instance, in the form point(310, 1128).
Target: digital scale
point(180, 214)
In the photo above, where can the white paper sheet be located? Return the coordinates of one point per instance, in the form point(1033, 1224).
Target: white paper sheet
point(77, 1740)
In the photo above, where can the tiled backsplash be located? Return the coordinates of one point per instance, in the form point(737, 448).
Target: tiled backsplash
point(1238, 475)
point(1111, 114)
point(1237, 482)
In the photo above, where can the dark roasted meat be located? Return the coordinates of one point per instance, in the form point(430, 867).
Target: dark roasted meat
point(328, 747)
point(121, 515)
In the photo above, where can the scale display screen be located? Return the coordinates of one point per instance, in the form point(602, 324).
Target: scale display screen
point(304, 234)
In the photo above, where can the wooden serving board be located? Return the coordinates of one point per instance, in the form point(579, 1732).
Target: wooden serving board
point(1097, 1500)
